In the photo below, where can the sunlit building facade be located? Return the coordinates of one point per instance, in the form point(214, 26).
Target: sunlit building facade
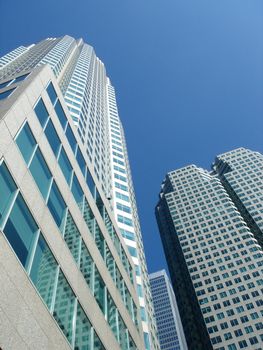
point(64, 128)
point(211, 228)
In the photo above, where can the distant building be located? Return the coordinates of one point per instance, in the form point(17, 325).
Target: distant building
point(65, 171)
point(170, 331)
point(211, 228)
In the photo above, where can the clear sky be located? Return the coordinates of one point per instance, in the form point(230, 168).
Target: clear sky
point(188, 76)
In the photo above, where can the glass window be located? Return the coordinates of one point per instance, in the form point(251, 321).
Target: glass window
point(2, 85)
point(5, 94)
point(41, 112)
point(90, 183)
point(72, 237)
point(20, 230)
point(132, 251)
point(77, 192)
point(71, 139)
point(81, 161)
point(122, 334)
point(44, 271)
point(97, 343)
point(99, 290)
point(26, 142)
point(88, 216)
point(52, 137)
point(86, 265)
point(83, 330)
point(7, 191)
point(22, 77)
point(99, 239)
point(61, 114)
point(41, 173)
point(57, 206)
point(112, 315)
point(65, 165)
point(51, 93)
point(64, 306)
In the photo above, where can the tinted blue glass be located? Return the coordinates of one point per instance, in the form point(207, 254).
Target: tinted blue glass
point(7, 191)
point(65, 165)
point(71, 139)
point(26, 142)
point(2, 85)
point(81, 161)
point(43, 271)
point(40, 172)
point(20, 230)
point(61, 114)
point(22, 77)
point(41, 112)
point(90, 183)
point(52, 137)
point(72, 237)
point(57, 206)
point(83, 330)
point(5, 94)
point(51, 93)
point(77, 192)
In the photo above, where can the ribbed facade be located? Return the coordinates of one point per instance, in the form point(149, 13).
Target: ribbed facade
point(210, 225)
point(81, 89)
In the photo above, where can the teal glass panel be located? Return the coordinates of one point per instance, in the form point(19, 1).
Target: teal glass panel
point(26, 142)
point(61, 114)
point(133, 251)
point(65, 165)
point(71, 139)
point(99, 239)
point(81, 161)
point(127, 234)
point(128, 299)
point(143, 314)
point(5, 94)
point(132, 345)
point(64, 306)
point(146, 340)
point(51, 93)
point(7, 191)
point(88, 216)
point(77, 192)
point(20, 230)
point(40, 173)
point(97, 343)
point(99, 290)
point(108, 224)
point(123, 341)
point(86, 265)
point(90, 183)
point(52, 137)
point(57, 206)
point(72, 237)
point(112, 315)
point(118, 283)
point(44, 271)
point(100, 204)
point(41, 112)
point(110, 263)
point(83, 331)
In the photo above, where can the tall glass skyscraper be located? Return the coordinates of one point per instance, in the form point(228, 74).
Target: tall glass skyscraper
point(211, 228)
point(68, 145)
point(170, 331)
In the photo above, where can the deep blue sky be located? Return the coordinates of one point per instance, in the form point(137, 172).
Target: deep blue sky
point(188, 76)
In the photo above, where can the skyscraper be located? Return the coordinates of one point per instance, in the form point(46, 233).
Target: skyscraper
point(211, 228)
point(71, 111)
point(169, 326)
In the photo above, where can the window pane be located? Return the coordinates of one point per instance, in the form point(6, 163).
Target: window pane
point(77, 192)
point(2, 85)
point(5, 94)
point(61, 114)
point(7, 191)
point(90, 183)
point(22, 77)
point(41, 112)
point(81, 162)
point(83, 329)
point(20, 230)
point(72, 237)
point(86, 265)
point(99, 239)
point(112, 315)
point(122, 333)
point(43, 271)
point(65, 165)
point(57, 206)
point(99, 290)
point(52, 137)
point(51, 93)
point(41, 173)
point(64, 306)
point(71, 139)
point(97, 343)
point(88, 216)
point(26, 142)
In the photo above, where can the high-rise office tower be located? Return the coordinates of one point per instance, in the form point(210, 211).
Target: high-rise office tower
point(211, 228)
point(169, 326)
point(62, 136)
